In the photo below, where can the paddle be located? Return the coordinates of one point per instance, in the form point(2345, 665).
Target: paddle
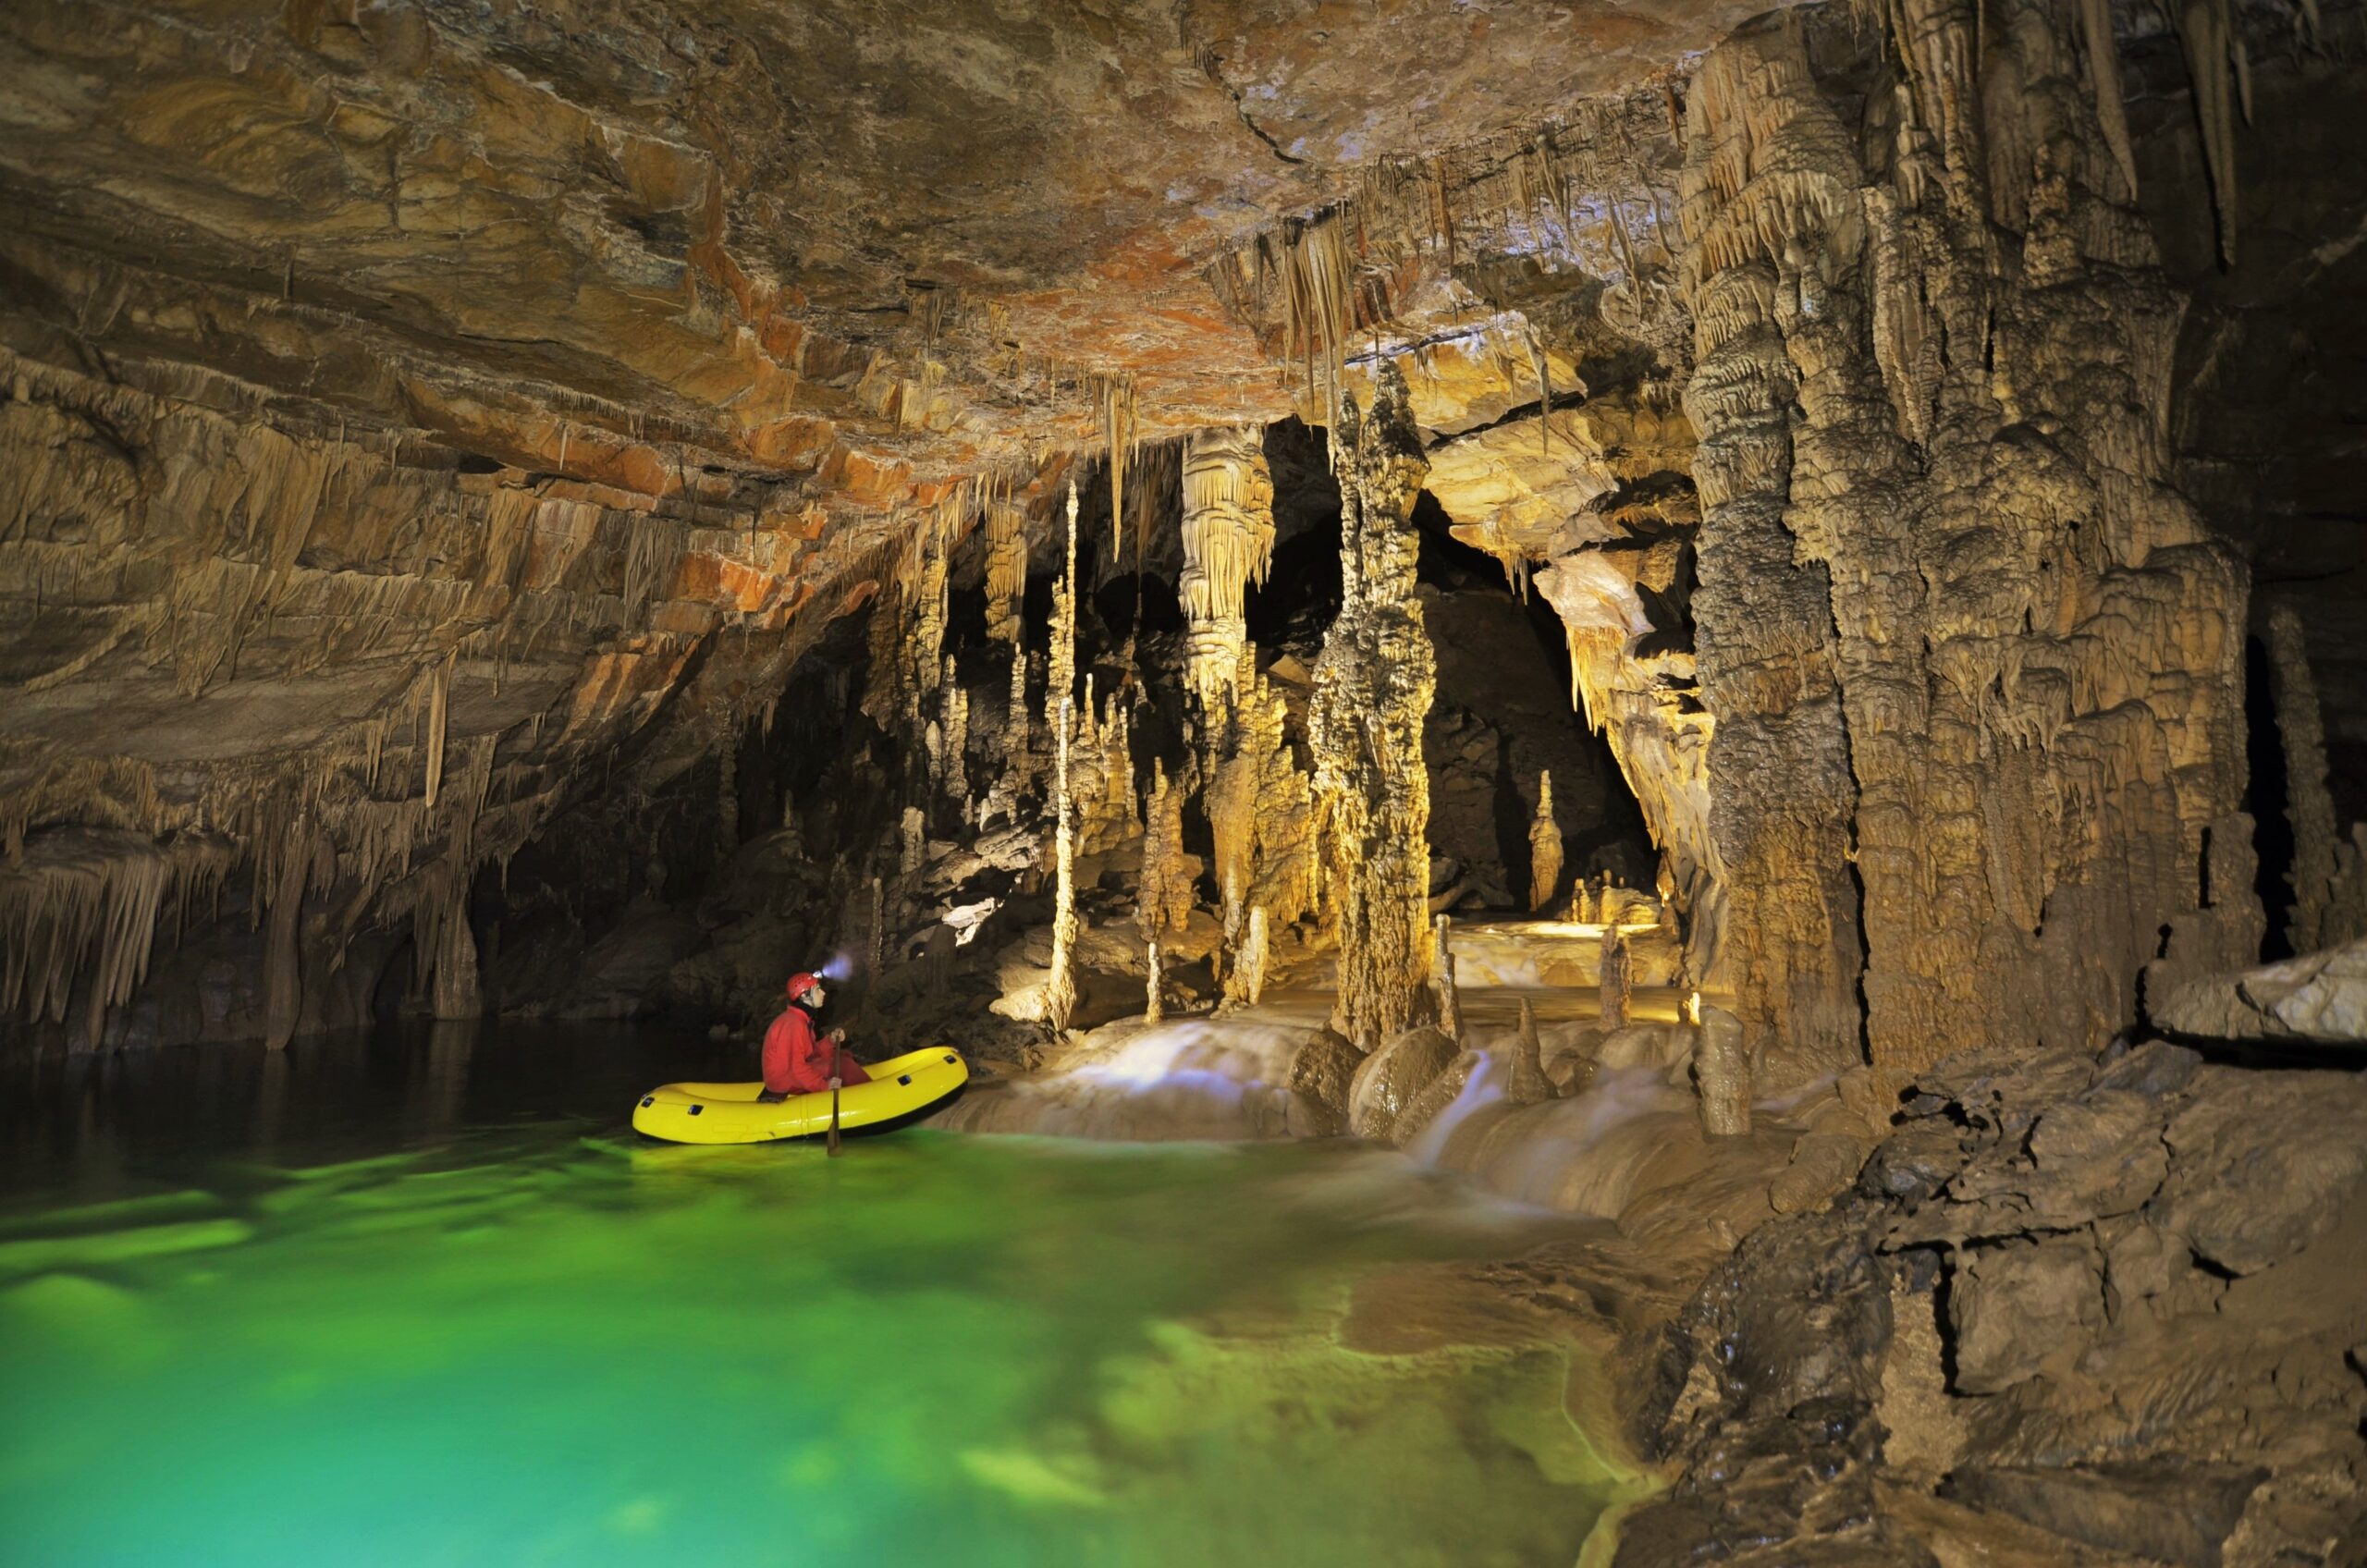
point(834, 1117)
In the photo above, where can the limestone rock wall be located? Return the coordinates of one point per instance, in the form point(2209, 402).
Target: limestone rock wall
point(1974, 664)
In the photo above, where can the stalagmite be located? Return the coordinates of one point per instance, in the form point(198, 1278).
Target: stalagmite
point(1614, 978)
point(282, 948)
point(1373, 686)
point(1721, 1072)
point(1228, 543)
point(1060, 700)
point(1445, 995)
point(457, 992)
point(953, 732)
point(1528, 1085)
point(2309, 805)
point(913, 841)
point(1163, 900)
point(1544, 848)
point(1018, 724)
point(1245, 979)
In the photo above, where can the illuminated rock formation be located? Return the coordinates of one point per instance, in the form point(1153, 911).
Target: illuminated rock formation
point(1373, 686)
point(1163, 899)
point(1544, 848)
point(1228, 543)
point(1613, 980)
point(1060, 715)
point(1006, 573)
point(1960, 636)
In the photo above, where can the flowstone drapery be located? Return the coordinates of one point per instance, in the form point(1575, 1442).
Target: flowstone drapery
point(1373, 687)
point(1975, 663)
point(1228, 543)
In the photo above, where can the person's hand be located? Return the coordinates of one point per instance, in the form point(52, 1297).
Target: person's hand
point(837, 1036)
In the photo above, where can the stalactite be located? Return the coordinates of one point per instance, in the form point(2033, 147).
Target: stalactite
point(1006, 573)
point(2104, 76)
point(1544, 848)
point(438, 712)
point(1373, 685)
point(1060, 991)
point(1228, 543)
point(2213, 53)
point(1118, 439)
point(2309, 804)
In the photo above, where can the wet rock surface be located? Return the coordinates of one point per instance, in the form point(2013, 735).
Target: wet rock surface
point(2114, 1302)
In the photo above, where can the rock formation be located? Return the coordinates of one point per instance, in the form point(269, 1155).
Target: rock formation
point(1373, 687)
point(1544, 848)
point(1060, 717)
point(1934, 472)
point(1228, 543)
point(1163, 900)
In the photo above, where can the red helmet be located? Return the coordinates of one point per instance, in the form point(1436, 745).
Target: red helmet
point(800, 983)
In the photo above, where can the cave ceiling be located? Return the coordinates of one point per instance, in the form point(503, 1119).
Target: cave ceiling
point(719, 214)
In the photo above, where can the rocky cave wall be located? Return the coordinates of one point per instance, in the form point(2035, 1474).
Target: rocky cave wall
point(1968, 646)
point(1833, 393)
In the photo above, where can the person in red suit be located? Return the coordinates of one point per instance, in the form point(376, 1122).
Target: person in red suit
point(799, 1059)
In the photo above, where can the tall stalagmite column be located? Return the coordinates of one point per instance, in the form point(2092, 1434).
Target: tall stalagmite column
point(1373, 685)
point(2309, 805)
point(1228, 543)
point(1059, 704)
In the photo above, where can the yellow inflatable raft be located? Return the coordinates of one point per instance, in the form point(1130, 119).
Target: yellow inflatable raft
point(730, 1113)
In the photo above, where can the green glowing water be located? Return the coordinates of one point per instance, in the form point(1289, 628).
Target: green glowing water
point(477, 1336)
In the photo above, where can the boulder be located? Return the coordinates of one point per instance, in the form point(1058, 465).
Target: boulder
point(1437, 1095)
point(2320, 996)
point(1321, 1073)
point(2014, 1305)
point(1386, 1082)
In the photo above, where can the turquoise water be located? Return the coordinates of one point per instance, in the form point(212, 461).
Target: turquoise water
point(417, 1302)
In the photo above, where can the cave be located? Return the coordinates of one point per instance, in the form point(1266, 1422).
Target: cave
point(1447, 781)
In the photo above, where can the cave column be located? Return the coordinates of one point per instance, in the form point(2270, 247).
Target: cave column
point(1374, 682)
point(1781, 795)
point(1059, 706)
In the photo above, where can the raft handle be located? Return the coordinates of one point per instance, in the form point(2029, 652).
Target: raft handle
point(905, 1079)
point(696, 1108)
point(648, 1100)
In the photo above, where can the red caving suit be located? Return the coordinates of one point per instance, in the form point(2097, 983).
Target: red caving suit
point(798, 1060)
